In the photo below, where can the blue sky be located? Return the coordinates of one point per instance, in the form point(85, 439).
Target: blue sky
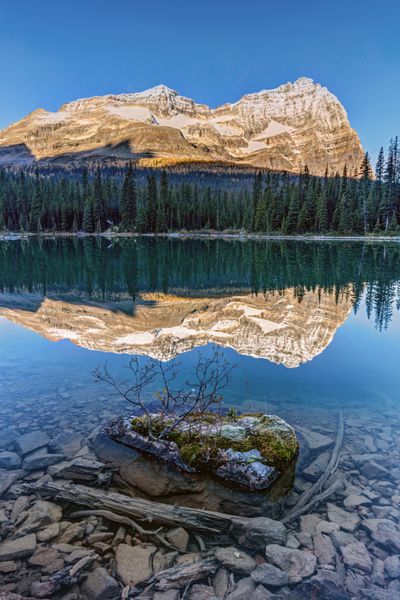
point(212, 51)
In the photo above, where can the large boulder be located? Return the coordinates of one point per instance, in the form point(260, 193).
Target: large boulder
point(249, 450)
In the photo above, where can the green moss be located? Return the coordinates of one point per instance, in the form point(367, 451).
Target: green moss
point(275, 441)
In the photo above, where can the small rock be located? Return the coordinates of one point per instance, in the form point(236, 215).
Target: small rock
point(262, 531)
point(167, 595)
point(44, 555)
point(346, 520)
point(378, 571)
point(48, 533)
point(269, 576)
point(100, 536)
point(40, 459)
point(163, 561)
point(354, 501)
point(202, 592)
point(7, 478)
point(235, 560)
point(178, 537)
point(67, 443)
point(316, 441)
point(99, 585)
point(10, 460)
point(221, 582)
point(31, 441)
point(341, 538)
point(385, 532)
point(308, 523)
point(8, 566)
point(19, 548)
point(21, 503)
point(357, 556)
point(373, 470)
point(244, 590)
point(41, 514)
point(296, 563)
point(74, 532)
point(133, 563)
point(392, 566)
point(324, 549)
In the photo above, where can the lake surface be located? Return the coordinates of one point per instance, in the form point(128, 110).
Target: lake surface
point(310, 326)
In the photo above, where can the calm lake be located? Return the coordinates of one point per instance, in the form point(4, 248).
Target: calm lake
point(312, 327)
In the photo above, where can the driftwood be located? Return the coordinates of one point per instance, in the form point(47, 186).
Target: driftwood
point(64, 578)
point(314, 496)
point(138, 509)
point(176, 577)
point(110, 516)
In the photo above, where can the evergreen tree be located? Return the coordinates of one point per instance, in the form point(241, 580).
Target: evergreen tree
point(128, 201)
point(151, 207)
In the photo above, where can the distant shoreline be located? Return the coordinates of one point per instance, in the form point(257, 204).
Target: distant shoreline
point(9, 236)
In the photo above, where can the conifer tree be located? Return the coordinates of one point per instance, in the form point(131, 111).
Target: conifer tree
point(128, 201)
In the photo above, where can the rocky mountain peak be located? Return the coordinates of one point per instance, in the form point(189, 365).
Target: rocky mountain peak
point(285, 128)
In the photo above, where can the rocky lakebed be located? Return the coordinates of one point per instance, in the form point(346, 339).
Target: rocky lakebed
point(84, 516)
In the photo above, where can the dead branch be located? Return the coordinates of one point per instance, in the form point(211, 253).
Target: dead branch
point(307, 501)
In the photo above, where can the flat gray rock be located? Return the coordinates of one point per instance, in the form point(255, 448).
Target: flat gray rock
point(99, 585)
point(316, 441)
point(296, 563)
point(31, 441)
point(7, 478)
point(269, 576)
point(10, 460)
point(357, 556)
point(346, 520)
point(372, 470)
point(19, 548)
point(41, 459)
point(263, 531)
point(354, 501)
point(385, 532)
point(42, 514)
point(244, 590)
point(133, 563)
point(324, 549)
point(392, 566)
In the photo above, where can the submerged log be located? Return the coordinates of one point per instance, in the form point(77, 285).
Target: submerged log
point(254, 531)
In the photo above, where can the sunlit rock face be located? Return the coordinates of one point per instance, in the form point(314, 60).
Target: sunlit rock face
point(277, 326)
point(296, 124)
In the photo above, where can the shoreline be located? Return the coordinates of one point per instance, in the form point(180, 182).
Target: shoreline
point(13, 235)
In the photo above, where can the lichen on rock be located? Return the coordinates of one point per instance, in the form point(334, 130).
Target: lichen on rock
point(249, 450)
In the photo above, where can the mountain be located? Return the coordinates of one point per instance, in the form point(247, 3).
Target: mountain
point(296, 124)
point(277, 326)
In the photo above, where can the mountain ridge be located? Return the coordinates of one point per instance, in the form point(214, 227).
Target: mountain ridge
point(284, 128)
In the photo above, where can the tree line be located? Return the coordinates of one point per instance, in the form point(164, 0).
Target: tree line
point(276, 203)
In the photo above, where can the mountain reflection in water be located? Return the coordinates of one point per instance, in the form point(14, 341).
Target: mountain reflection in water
point(278, 300)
